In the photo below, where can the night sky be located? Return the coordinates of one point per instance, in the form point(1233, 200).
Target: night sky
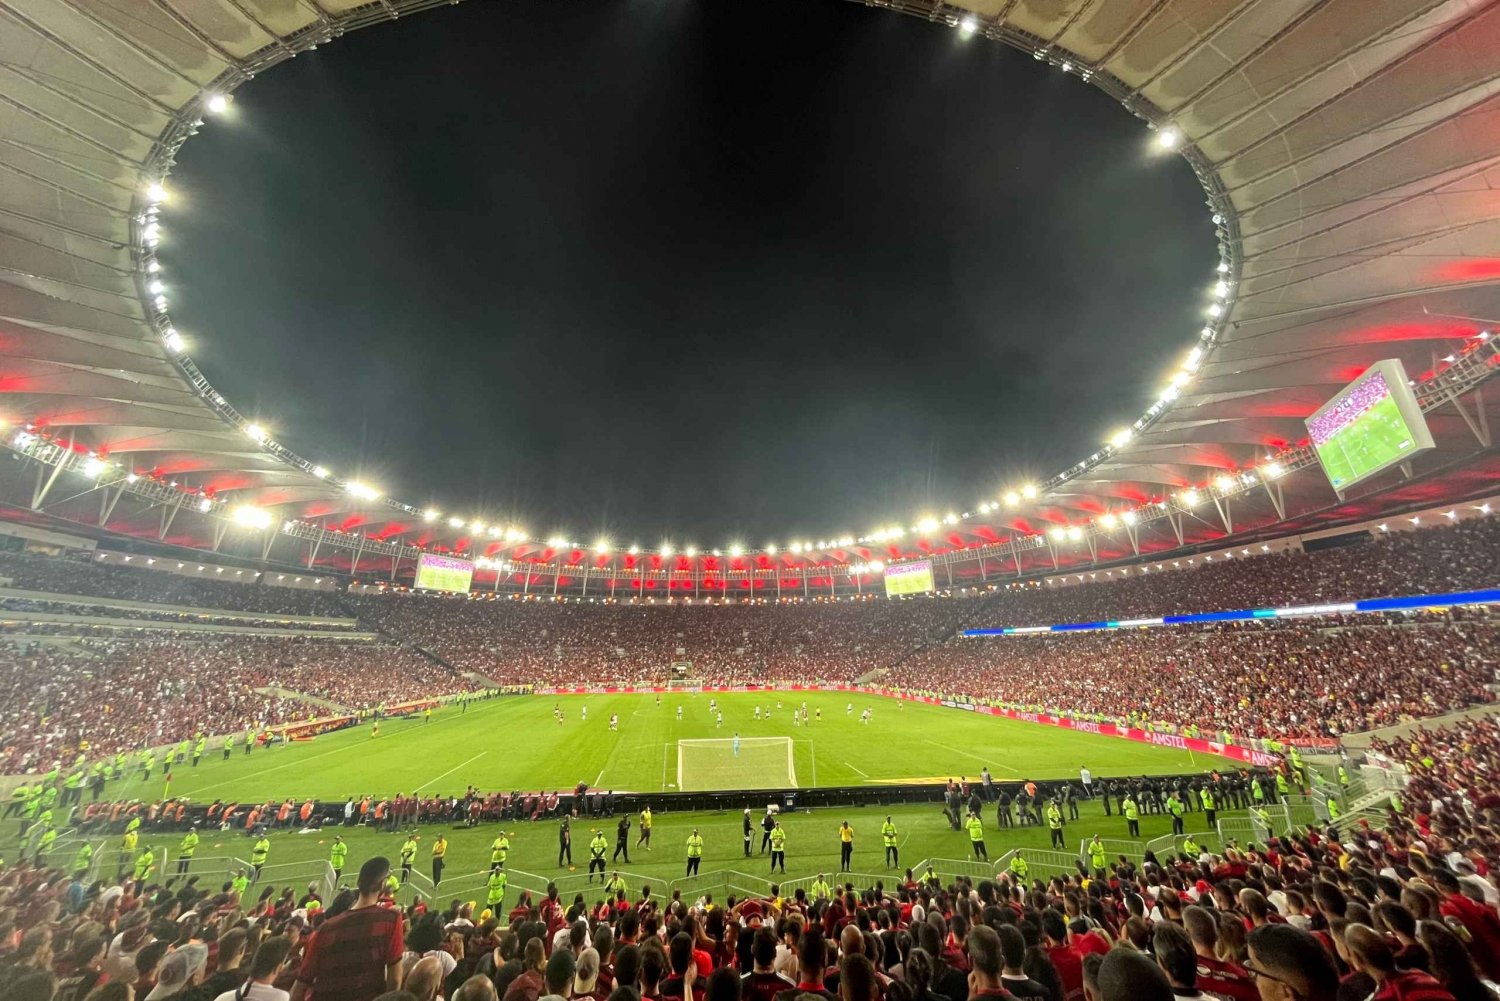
point(684, 268)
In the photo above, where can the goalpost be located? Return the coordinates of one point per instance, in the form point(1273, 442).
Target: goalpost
point(711, 763)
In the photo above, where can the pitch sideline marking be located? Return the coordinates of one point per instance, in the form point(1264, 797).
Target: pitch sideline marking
point(449, 772)
point(394, 736)
point(970, 754)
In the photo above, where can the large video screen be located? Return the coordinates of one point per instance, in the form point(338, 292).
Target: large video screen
point(1372, 424)
point(908, 578)
point(443, 573)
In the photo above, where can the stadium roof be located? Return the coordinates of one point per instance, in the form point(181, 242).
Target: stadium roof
point(1349, 148)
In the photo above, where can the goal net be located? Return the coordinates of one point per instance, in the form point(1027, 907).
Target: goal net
point(709, 764)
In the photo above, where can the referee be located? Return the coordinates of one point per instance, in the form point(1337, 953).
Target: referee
point(846, 847)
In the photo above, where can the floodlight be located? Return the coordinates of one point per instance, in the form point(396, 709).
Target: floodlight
point(1168, 138)
point(1121, 438)
point(251, 516)
point(1012, 498)
point(1075, 533)
point(1029, 491)
point(429, 515)
point(205, 505)
point(362, 490)
point(156, 193)
point(1224, 483)
point(321, 472)
point(1189, 497)
point(968, 26)
point(217, 104)
point(928, 525)
point(1129, 517)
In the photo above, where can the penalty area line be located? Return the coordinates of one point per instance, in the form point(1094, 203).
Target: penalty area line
point(970, 754)
point(450, 771)
point(862, 773)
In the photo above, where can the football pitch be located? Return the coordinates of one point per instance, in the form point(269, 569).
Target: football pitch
point(516, 744)
point(1372, 440)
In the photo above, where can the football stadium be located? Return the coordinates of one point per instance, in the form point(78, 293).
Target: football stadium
point(1208, 708)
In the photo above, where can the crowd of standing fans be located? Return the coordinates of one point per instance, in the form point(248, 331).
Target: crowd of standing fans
point(1408, 913)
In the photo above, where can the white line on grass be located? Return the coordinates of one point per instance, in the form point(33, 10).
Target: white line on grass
point(970, 754)
point(449, 772)
point(865, 774)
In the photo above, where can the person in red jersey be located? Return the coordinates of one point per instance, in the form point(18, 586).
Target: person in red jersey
point(356, 955)
point(1065, 958)
point(1216, 978)
point(763, 983)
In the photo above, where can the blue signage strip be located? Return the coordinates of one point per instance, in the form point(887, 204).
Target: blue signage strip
point(1414, 602)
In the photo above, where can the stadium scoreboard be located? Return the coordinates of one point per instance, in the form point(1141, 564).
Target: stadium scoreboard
point(1373, 424)
point(908, 578)
point(443, 573)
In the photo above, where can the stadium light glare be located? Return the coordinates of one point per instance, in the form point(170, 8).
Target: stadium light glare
point(250, 516)
point(156, 287)
point(1170, 393)
point(173, 340)
point(321, 472)
point(1180, 379)
point(1129, 517)
point(635, 550)
point(1221, 288)
point(429, 515)
point(601, 546)
point(455, 523)
point(131, 477)
point(1189, 497)
point(876, 566)
point(1224, 483)
point(1108, 520)
point(216, 104)
point(205, 505)
point(736, 550)
point(1058, 534)
point(1075, 533)
point(1272, 470)
point(156, 193)
point(476, 526)
point(690, 552)
point(557, 542)
point(928, 525)
point(255, 433)
point(1011, 498)
point(770, 549)
point(797, 547)
point(1169, 138)
point(666, 549)
point(1223, 267)
point(1217, 309)
point(93, 466)
point(362, 490)
point(1121, 438)
point(968, 26)
point(1029, 491)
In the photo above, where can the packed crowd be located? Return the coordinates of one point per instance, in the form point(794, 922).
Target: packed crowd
point(554, 643)
point(1386, 916)
point(1433, 560)
point(100, 697)
point(1316, 679)
point(83, 576)
point(31, 615)
point(1259, 680)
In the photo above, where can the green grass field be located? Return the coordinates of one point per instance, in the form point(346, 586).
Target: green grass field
point(1374, 439)
point(515, 743)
